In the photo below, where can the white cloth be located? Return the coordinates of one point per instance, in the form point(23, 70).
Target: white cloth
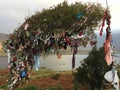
point(111, 76)
point(115, 82)
point(8, 54)
point(26, 26)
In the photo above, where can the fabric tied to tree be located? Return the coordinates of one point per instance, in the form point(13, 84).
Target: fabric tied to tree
point(8, 54)
point(73, 61)
point(26, 26)
point(108, 48)
point(107, 44)
point(115, 82)
point(106, 18)
point(37, 62)
point(79, 15)
point(73, 58)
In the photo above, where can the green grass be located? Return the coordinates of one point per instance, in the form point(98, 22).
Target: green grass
point(43, 72)
point(33, 87)
point(3, 87)
point(29, 87)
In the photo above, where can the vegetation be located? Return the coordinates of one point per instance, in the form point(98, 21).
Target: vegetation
point(92, 70)
point(53, 88)
point(55, 28)
point(40, 79)
point(32, 87)
point(55, 76)
point(3, 87)
point(29, 87)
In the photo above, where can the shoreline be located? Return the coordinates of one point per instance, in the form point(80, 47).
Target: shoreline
point(53, 62)
point(4, 54)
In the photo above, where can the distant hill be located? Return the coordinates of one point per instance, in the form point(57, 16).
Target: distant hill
point(115, 39)
point(3, 37)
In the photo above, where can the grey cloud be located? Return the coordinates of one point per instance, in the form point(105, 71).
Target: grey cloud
point(13, 12)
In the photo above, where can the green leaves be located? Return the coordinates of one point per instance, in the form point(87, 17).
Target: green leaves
point(92, 69)
point(59, 22)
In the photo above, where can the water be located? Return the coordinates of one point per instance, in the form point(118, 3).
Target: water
point(64, 63)
point(53, 63)
point(3, 62)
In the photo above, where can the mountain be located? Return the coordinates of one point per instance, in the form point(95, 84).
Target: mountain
point(115, 39)
point(3, 37)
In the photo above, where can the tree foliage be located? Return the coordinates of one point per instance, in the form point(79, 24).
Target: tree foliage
point(52, 29)
point(92, 70)
point(61, 18)
point(57, 27)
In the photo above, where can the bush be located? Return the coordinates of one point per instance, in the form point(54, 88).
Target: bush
point(92, 70)
point(55, 76)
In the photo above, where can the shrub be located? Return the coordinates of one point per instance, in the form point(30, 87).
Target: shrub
point(55, 76)
point(92, 70)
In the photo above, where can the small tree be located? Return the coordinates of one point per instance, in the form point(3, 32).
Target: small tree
point(92, 70)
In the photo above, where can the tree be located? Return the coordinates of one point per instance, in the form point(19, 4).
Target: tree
point(53, 29)
point(92, 70)
point(57, 27)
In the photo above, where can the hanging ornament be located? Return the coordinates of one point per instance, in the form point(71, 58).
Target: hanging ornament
point(23, 74)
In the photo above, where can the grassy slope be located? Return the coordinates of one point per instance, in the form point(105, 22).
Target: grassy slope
point(43, 75)
point(44, 78)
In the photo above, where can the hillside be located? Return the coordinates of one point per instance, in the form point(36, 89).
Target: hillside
point(3, 37)
point(115, 39)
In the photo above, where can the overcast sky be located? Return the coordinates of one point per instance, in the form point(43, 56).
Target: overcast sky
point(13, 12)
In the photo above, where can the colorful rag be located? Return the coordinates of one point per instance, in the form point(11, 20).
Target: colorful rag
point(103, 22)
point(73, 61)
point(107, 48)
point(26, 26)
point(37, 62)
point(73, 58)
point(8, 54)
point(79, 15)
point(108, 56)
point(59, 55)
